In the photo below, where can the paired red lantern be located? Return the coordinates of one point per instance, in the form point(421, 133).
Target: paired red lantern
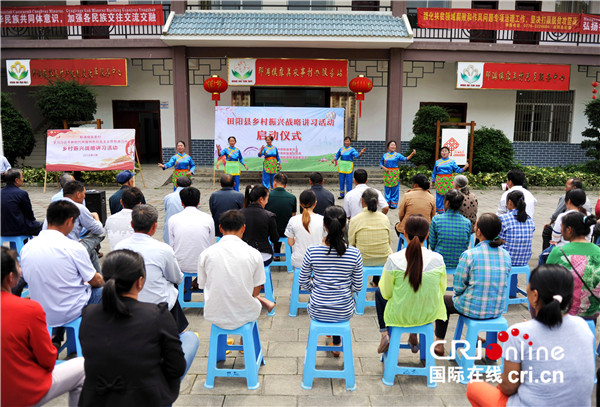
point(360, 85)
point(216, 86)
point(594, 91)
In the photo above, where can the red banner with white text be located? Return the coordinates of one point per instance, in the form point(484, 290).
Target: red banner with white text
point(73, 16)
point(510, 20)
point(492, 75)
point(92, 72)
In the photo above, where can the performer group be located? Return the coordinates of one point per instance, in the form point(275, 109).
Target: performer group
point(391, 173)
point(182, 163)
point(443, 177)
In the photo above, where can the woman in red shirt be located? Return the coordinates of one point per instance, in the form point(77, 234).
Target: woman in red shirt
point(28, 372)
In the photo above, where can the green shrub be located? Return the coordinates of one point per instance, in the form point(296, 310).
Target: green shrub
point(492, 151)
point(424, 128)
point(592, 112)
point(36, 176)
point(66, 100)
point(17, 136)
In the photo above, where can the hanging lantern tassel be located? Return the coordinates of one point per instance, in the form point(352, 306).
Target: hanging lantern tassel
point(216, 86)
point(360, 85)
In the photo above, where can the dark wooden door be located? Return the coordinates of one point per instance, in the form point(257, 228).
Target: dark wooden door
point(144, 117)
point(527, 37)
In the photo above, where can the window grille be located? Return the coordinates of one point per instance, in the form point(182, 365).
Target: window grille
point(543, 116)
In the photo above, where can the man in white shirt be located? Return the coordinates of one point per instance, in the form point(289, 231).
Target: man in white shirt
point(58, 270)
point(173, 204)
point(162, 271)
point(231, 273)
point(191, 231)
point(74, 192)
point(515, 181)
point(352, 204)
point(118, 226)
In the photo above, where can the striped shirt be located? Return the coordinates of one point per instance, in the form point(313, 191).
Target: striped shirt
point(449, 235)
point(480, 281)
point(331, 280)
point(518, 237)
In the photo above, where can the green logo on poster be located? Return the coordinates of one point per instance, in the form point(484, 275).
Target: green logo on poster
point(18, 71)
point(242, 76)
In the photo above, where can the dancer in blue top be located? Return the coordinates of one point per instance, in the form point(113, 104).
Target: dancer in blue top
point(233, 159)
point(271, 164)
point(391, 173)
point(346, 156)
point(443, 177)
point(183, 163)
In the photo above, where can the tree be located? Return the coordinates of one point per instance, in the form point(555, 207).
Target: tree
point(17, 135)
point(66, 100)
point(424, 128)
point(492, 151)
point(592, 112)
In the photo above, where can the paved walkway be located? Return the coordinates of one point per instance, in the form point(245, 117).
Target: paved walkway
point(284, 338)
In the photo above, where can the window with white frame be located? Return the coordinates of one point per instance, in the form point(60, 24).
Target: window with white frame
point(543, 116)
point(315, 5)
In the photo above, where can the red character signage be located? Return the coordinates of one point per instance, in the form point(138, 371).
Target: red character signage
point(74, 16)
point(94, 72)
point(491, 75)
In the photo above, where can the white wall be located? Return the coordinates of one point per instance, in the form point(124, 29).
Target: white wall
point(141, 85)
point(583, 94)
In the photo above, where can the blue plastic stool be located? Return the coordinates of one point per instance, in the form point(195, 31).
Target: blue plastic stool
point(253, 354)
point(295, 302)
point(288, 256)
point(450, 272)
point(310, 357)
point(15, 242)
point(72, 343)
point(268, 290)
point(361, 296)
point(185, 298)
point(390, 358)
point(402, 243)
point(473, 326)
point(514, 289)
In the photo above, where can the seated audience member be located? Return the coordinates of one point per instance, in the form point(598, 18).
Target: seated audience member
point(480, 278)
point(352, 202)
point(517, 230)
point(172, 203)
point(127, 180)
point(332, 272)
point(58, 270)
point(224, 199)
point(28, 374)
point(162, 271)
point(93, 234)
point(370, 232)
point(306, 229)
point(191, 231)
point(470, 205)
point(231, 273)
point(325, 198)
point(582, 259)
point(282, 204)
point(63, 180)
point(416, 201)
point(572, 183)
point(412, 286)
point(550, 292)
point(118, 226)
point(450, 232)
point(145, 362)
point(4, 166)
point(17, 216)
point(261, 224)
point(515, 179)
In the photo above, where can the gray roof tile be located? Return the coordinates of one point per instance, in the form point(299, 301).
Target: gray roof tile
point(338, 24)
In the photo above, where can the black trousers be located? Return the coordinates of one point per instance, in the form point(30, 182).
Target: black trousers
point(546, 236)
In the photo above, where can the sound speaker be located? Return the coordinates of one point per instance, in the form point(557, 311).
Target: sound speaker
point(95, 201)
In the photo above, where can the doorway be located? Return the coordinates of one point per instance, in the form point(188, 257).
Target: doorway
point(144, 117)
point(290, 97)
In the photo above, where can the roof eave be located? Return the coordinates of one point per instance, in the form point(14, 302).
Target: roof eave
point(286, 41)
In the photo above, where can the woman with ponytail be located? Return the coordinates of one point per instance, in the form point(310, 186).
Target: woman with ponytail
point(582, 259)
point(332, 271)
point(517, 229)
point(550, 362)
point(306, 229)
point(370, 232)
point(133, 353)
point(412, 286)
point(480, 278)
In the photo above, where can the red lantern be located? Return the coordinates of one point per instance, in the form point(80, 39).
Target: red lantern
point(594, 84)
point(595, 91)
point(216, 86)
point(360, 85)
